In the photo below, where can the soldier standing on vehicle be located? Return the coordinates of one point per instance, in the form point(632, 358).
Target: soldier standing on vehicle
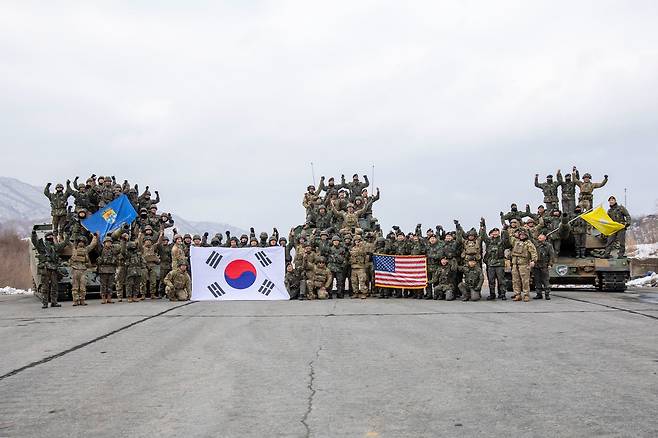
point(80, 263)
point(541, 270)
point(586, 186)
point(58, 203)
point(579, 229)
point(568, 188)
point(48, 252)
point(617, 213)
point(549, 188)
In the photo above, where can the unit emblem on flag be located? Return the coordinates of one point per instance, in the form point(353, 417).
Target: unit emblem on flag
point(110, 216)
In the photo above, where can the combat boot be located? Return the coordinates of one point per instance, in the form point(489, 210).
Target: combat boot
point(103, 299)
point(517, 298)
point(130, 299)
point(82, 303)
point(466, 297)
point(547, 296)
point(502, 296)
point(492, 296)
point(526, 298)
point(538, 296)
point(55, 305)
point(76, 303)
point(45, 305)
point(142, 297)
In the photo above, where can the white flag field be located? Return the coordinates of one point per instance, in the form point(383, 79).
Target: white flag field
point(238, 273)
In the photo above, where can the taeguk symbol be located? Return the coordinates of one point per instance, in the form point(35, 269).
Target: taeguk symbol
point(240, 274)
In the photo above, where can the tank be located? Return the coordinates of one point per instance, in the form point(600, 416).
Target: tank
point(64, 287)
point(606, 274)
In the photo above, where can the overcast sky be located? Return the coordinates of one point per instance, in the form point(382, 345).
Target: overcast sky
point(223, 105)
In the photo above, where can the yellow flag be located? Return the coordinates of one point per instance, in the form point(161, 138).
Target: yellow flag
point(600, 220)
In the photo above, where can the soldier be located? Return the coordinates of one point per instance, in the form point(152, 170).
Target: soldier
point(540, 272)
point(472, 244)
point(58, 203)
point(368, 201)
point(358, 260)
point(550, 191)
point(355, 186)
point(555, 230)
point(472, 280)
point(323, 219)
point(434, 254)
point(586, 186)
point(150, 252)
point(305, 262)
point(494, 257)
point(579, 229)
point(106, 266)
point(135, 266)
point(216, 240)
point(514, 213)
point(164, 252)
point(80, 195)
point(568, 188)
point(311, 198)
point(80, 263)
point(617, 213)
point(77, 230)
point(338, 256)
point(320, 281)
point(178, 284)
point(48, 252)
point(145, 200)
point(120, 274)
point(350, 218)
point(524, 256)
point(442, 281)
point(331, 189)
point(177, 252)
point(292, 281)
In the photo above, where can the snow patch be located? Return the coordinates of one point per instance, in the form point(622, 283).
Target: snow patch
point(644, 251)
point(8, 290)
point(649, 280)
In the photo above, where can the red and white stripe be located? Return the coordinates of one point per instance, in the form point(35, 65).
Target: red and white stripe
point(410, 272)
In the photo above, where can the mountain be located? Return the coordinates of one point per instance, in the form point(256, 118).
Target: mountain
point(22, 205)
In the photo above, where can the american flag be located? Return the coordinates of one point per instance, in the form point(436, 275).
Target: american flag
point(396, 271)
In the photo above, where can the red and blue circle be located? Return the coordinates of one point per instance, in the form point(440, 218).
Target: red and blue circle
point(240, 274)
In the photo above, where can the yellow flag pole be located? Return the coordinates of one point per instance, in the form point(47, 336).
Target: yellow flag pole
point(591, 209)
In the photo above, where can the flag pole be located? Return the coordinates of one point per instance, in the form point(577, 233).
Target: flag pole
point(373, 176)
point(313, 172)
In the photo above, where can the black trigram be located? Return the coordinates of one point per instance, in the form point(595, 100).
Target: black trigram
point(266, 287)
point(216, 290)
point(214, 259)
point(263, 259)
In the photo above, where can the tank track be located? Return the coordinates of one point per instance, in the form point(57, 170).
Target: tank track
point(613, 281)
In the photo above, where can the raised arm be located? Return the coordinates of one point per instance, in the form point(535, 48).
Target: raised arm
point(537, 181)
point(46, 190)
point(602, 183)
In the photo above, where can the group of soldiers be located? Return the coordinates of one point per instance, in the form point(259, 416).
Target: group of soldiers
point(133, 260)
point(330, 255)
point(337, 242)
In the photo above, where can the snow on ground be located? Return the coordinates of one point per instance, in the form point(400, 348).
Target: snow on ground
point(8, 290)
point(649, 280)
point(644, 251)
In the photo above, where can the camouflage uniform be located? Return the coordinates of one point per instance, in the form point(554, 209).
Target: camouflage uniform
point(293, 280)
point(178, 285)
point(434, 252)
point(472, 279)
point(337, 258)
point(540, 272)
point(106, 266)
point(80, 263)
point(358, 260)
point(319, 281)
point(152, 267)
point(442, 282)
point(523, 254)
point(164, 252)
point(49, 257)
point(568, 188)
point(80, 196)
point(514, 213)
point(120, 274)
point(356, 186)
point(494, 258)
point(579, 228)
point(586, 195)
point(58, 203)
point(618, 213)
point(550, 191)
point(135, 266)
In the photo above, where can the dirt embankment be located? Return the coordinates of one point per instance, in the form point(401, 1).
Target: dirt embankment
point(14, 263)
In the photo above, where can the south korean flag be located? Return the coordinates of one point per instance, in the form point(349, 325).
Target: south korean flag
point(238, 273)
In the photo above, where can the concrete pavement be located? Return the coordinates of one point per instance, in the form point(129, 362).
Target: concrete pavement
point(583, 364)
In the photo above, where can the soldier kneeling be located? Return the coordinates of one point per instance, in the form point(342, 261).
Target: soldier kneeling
point(320, 281)
point(442, 281)
point(178, 283)
point(472, 280)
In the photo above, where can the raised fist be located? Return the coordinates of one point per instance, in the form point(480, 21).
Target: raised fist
point(536, 175)
point(605, 176)
point(456, 222)
point(157, 193)
point(68, 181)
point(252, 230)
point(205, 234)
